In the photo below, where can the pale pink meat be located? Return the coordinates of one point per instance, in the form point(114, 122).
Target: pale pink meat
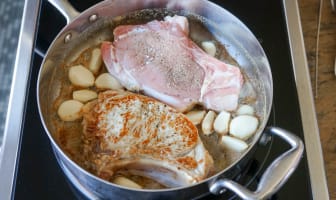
point(160, 59)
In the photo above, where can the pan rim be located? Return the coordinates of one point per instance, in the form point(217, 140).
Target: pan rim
point(59, 150)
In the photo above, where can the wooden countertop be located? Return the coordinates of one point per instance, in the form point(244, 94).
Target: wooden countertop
point(325, 101)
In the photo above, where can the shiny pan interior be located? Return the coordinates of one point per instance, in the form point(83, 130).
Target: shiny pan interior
point(94, 26)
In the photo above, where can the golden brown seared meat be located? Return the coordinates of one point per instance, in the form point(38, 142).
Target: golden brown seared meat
point(127, 131)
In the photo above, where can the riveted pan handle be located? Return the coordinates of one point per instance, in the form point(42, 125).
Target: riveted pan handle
point(275, 175)
point(65, 8)
point(69, 13)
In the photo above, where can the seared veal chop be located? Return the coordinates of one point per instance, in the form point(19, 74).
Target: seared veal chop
point(129, 131)
point(160, 59)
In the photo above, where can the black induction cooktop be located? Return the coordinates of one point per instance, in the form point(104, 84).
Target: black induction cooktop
point(39, 175)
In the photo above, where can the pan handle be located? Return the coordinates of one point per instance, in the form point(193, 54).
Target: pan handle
point(69, 13)
point(275, 175)
point(65, 8)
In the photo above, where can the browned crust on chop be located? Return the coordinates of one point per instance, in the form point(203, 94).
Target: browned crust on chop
point(121, 128)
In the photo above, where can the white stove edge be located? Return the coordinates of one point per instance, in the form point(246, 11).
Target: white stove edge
point(13, 127)
point(17, 99)
point(306, 101)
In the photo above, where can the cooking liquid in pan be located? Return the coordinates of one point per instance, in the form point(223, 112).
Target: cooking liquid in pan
point(68, 134)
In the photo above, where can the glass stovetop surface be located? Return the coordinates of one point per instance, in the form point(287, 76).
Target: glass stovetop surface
point(39, 175)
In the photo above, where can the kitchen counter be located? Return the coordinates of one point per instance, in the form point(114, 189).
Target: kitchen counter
point(325, 100)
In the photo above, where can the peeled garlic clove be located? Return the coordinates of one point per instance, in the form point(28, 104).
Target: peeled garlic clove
point(84, 95)
point(95, 61)
point(120, 180)
point(196, 116)
point(245, 110)
point(209, 47)
point(70, 110)
point(233, 144)
point(243, 126)
point(221, 124)
point(106, 81)
point(207, 123)
point(81, 76)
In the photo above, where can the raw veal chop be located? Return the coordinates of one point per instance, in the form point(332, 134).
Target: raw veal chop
point(161, 60)
point(127, 131)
